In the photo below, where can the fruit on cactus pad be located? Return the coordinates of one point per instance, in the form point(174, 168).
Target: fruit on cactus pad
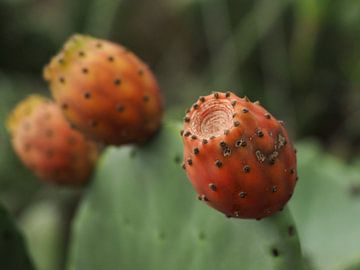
point(105, 91)
point(238, 156)
point(47, 145)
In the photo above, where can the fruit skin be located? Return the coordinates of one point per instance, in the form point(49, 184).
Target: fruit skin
point(105, 91)
point(47, 145)
point(238, 157)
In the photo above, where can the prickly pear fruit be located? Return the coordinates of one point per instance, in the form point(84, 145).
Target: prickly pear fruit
point(47, 145)
point(105, 91)
point(238, 156)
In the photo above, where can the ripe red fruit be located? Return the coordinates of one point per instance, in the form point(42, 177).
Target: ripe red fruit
point(47, 145)
point(238, 156)
point(105, 91)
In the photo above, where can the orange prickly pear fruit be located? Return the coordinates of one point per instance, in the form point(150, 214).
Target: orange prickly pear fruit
point(105, 91)
point(47, 145)
point(238, 157)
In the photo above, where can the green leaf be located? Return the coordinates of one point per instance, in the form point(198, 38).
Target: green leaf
point(142, 213)
point(13, 254)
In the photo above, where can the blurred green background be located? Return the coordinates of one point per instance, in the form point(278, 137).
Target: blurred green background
point(300, 58)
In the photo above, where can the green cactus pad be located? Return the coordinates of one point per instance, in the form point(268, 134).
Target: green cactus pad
point(41, 224)
point(326, 208)
point(141, 213)
point(13, 254)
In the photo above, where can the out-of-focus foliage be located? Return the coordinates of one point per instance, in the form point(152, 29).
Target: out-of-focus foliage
point(43, 230)
point(299, 57)
point(12, 247)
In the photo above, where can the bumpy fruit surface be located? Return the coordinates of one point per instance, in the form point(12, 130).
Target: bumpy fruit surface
point(46, 144)
point(238, 156)
point(105, 91)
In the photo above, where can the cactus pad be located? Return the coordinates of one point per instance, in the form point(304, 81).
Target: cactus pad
point(141, 213)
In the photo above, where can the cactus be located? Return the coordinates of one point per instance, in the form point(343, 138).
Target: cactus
point(42, 224)
point(140, 213)
point(13, 253)
point(325, 207)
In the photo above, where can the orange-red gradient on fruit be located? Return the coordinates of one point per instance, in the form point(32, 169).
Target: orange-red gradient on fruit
point(238, 157)
point(105, 91)
point(46, 144)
